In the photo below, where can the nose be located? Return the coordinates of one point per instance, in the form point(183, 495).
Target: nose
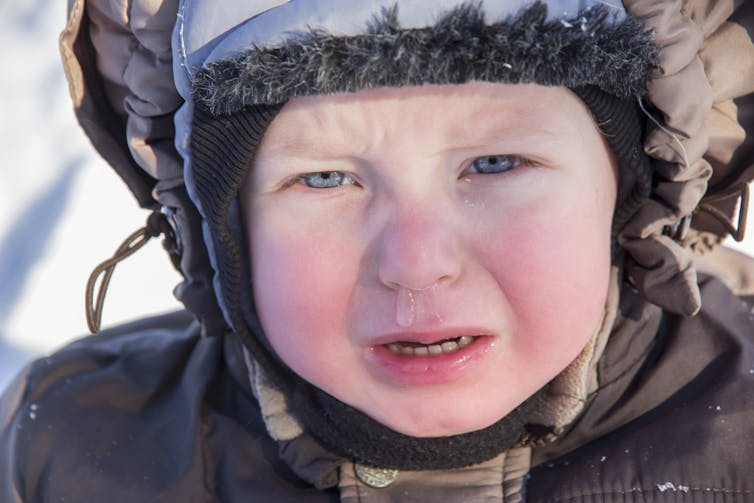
point(418, 249)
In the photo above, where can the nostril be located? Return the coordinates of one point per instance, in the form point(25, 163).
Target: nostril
point(418, 266)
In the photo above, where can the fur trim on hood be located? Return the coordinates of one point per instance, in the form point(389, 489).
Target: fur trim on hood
point(590, 49)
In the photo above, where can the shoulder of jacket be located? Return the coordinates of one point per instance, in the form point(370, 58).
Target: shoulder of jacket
point(150, 410)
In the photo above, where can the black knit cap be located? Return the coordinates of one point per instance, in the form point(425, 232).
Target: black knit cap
point(226, 134)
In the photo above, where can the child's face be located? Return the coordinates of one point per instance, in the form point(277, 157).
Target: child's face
point(387, 218)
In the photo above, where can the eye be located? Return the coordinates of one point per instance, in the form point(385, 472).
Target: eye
point(491, 164)
point(326, 179)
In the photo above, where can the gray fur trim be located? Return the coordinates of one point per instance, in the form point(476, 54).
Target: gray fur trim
point(589, 49)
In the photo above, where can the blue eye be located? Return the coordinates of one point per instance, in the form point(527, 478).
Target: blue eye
point(326, 179)
point(491, 164)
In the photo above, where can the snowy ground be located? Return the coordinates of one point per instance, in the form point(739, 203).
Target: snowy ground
point(62, 210)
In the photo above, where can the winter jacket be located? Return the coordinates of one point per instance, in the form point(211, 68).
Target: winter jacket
point(658, 407)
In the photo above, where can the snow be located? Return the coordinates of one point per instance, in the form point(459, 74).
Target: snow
point(62, 211)
point(669, 486)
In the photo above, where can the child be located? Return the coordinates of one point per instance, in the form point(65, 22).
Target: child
point(433, 251)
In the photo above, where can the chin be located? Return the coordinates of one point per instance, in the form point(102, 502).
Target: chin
point(439, 423)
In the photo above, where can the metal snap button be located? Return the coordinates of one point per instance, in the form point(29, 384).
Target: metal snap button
point(375, 477)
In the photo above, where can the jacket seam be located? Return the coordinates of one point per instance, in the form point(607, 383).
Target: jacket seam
point(683, 489)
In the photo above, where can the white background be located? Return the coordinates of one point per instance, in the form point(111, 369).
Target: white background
point(62, 209)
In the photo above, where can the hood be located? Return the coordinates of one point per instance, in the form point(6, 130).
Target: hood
point(133, 70)
point(130, 69)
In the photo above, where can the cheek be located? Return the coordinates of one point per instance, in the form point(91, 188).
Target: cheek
point(301, 285)
point(553, 266)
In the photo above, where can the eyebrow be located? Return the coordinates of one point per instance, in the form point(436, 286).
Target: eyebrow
point(310, 147)
point(496, 133)
point(515, 118)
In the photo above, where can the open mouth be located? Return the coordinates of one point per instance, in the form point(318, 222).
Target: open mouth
point(421, 359)
point(446, 346)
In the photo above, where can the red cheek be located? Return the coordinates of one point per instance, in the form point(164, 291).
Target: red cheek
point(299, 286)
point(555, 288)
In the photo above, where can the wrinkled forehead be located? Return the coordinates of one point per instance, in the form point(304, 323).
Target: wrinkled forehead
point(471, 113)
point(207, 31)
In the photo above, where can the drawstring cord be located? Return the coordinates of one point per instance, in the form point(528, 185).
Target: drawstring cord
point(157, 223)
point(741, 191)
point(679, 230)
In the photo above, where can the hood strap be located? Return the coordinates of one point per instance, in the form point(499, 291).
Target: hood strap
point(741, 192)
point(157, 223)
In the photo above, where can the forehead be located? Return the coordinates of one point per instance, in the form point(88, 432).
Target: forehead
point(451, 113)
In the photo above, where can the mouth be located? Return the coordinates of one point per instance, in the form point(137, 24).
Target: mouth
point(443, 347)
point(430, 358)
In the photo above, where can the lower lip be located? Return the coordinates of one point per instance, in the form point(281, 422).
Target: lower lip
point(428, 370)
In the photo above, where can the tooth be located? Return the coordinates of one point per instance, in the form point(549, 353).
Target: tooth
point(421, 351)
point(449, 346)
point(416, 349)
point(435, 349)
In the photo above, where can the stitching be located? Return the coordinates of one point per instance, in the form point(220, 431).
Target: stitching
point(720, 490)
point(181, 18)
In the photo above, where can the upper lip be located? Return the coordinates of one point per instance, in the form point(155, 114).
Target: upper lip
point(429, 337)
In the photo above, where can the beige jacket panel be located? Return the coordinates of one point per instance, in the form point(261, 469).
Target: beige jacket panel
point(501, 479)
